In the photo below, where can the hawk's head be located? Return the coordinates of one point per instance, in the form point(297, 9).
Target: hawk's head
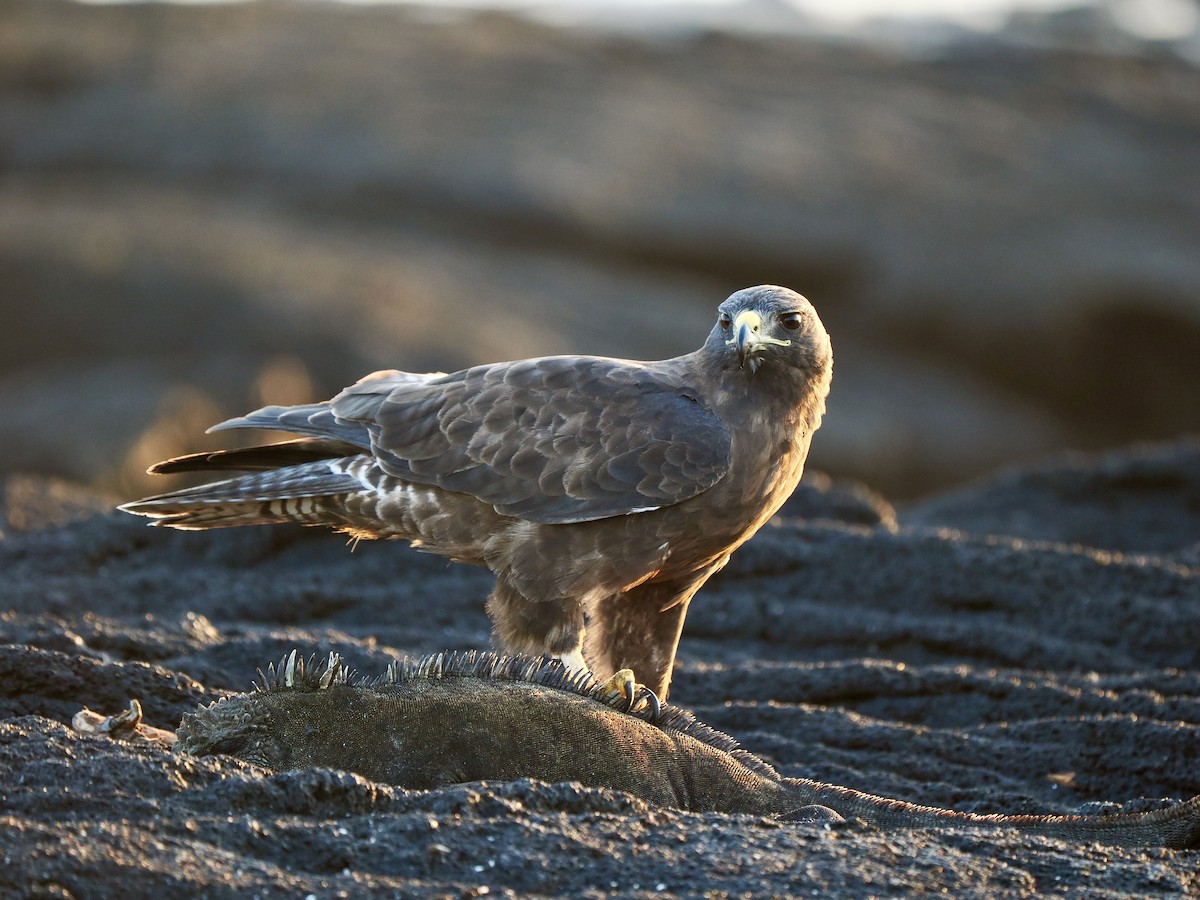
point(770, 326)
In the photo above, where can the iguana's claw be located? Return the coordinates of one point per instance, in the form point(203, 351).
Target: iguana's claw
point(623, 684)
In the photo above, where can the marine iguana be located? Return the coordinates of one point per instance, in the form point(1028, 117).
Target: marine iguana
point(452, 718)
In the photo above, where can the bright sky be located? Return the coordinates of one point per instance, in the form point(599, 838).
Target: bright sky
point(842, 10)
point(1150, 19)
point(1146, 18)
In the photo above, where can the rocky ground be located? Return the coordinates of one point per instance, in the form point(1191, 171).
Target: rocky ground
point(960, 652)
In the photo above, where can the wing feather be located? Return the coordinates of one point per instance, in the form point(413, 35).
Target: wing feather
point(553, 440)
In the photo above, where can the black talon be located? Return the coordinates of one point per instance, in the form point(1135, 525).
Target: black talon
point(652, 699)
point(631, 691)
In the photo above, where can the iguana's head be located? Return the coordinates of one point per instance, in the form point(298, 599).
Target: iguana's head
point(256, 726)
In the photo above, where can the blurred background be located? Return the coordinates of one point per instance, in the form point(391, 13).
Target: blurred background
point(204, 208)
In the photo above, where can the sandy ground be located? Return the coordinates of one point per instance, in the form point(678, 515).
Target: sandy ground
point(959, 654)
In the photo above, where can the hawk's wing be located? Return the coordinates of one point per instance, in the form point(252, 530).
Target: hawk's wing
point(552, 440)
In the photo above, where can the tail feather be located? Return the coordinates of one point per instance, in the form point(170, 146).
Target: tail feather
point(236, 513)
point(268, 456)
point(291, 494)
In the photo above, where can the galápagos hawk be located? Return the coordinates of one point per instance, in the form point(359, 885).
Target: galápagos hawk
point(601, 492)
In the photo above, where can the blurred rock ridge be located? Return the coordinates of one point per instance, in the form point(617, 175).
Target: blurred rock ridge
point(208, 208)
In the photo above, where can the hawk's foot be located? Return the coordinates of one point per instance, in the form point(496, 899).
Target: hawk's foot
point(624, 685)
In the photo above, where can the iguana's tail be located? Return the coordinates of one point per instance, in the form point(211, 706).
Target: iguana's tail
point(1176, 826)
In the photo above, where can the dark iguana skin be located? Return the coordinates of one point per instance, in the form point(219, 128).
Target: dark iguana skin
point(455, 718)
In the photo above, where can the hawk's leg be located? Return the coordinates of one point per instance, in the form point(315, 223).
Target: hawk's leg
point(639, 630)
point(537, 627)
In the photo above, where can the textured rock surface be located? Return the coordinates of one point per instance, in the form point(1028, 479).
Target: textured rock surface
point(938, 663)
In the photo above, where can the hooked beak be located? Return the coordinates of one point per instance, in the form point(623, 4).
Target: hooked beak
point(748, 337)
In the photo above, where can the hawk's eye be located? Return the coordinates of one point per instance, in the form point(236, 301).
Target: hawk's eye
point(726, 321)
point(790, 321)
